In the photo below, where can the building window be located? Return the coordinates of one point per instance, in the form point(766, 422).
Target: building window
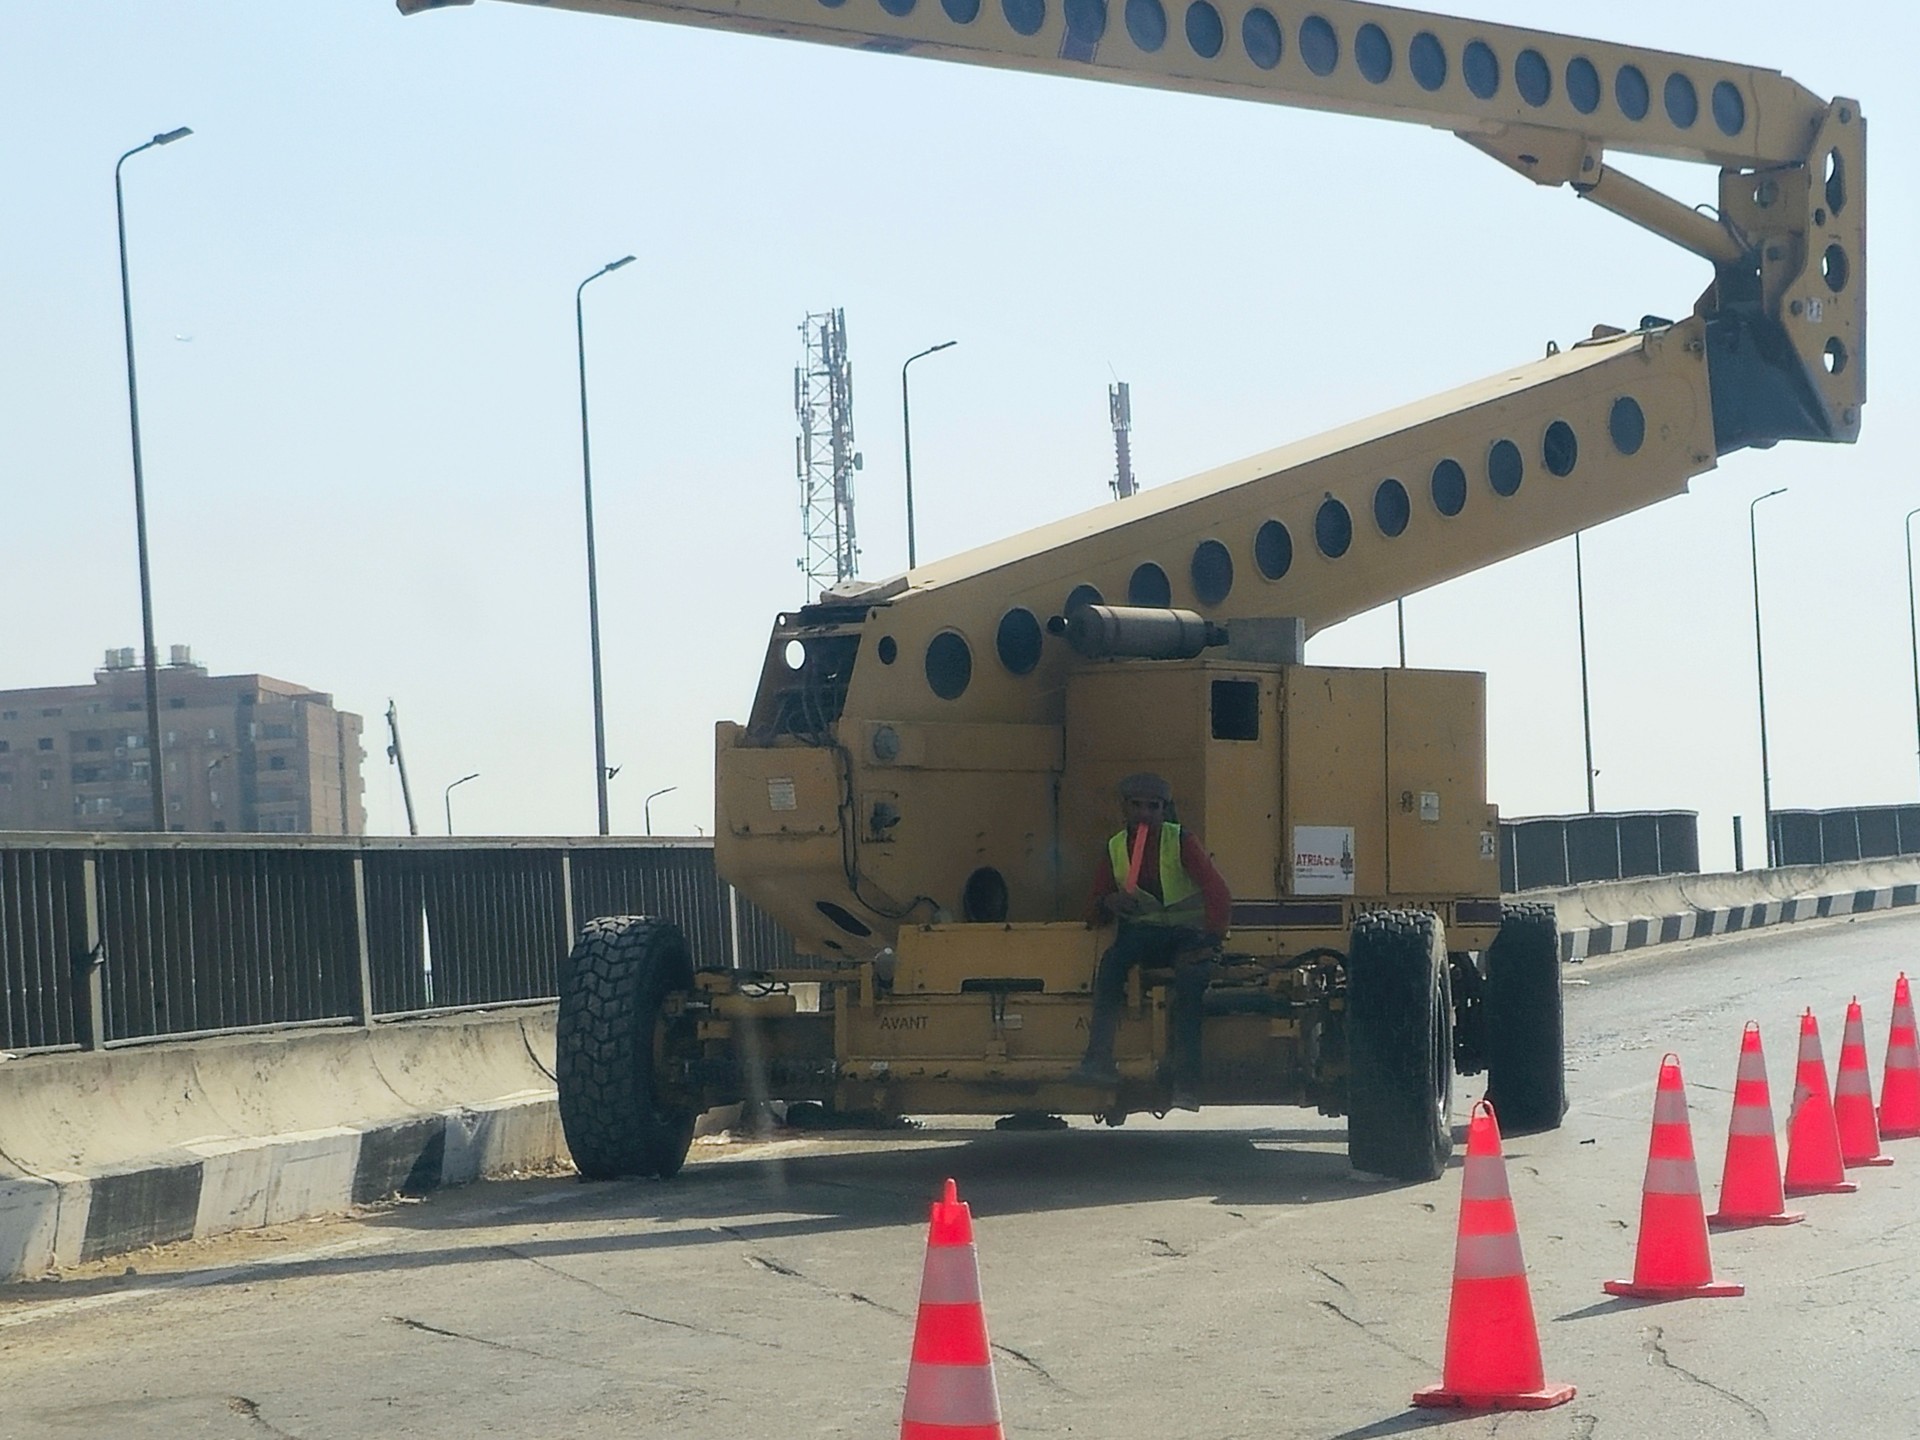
point(213, 734)
point(135, 705)
point(51, 711)
point(137, 770)
point(93, 742)
point(9, 714)
point(46, 742)
point(277, 762)
point(5, 745)
point(177, 702)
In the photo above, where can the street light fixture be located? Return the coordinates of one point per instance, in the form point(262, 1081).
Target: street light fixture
point(646, 808)
point(906, 433)
point(1760, 671)
point(593, 575)
point(447, 796)
point(154, 777)
point(1913, 627)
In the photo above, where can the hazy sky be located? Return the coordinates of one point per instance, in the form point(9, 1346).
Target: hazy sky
point(353, 297)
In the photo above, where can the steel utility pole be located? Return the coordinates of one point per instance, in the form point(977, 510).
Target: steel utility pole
point(1586, 704)
point(1913, 630)
point(399, 759)
point(906, 436)
point(593, 577)
point(1760, 671)
point(447, 796)
point(154, 768)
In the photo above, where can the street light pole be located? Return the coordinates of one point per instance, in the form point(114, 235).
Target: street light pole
point(1913, 628)
point(593, 574)
point(646, 808)
point(447, 796)
point(1760, 671)
point(1586, 708)
point(154, 777)
point(906, 434)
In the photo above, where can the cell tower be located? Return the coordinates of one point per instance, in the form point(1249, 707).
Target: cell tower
point(1120, 408)
point(824, 457)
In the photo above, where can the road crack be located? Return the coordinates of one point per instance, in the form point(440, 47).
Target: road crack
point(424, 1328)
point(1366, 1329)
point(1329, 1277)
point(552, 1269)
point(250, 1410)
point(785, 1271)
point(1656, 1350)
point(702, 1329)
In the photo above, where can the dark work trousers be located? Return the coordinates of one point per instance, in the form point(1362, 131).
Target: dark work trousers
point(1152, 945)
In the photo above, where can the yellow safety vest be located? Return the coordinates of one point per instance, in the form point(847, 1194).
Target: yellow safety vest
point(1180, 899)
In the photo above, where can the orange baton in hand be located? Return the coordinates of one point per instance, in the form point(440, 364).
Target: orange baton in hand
point(1139, 854)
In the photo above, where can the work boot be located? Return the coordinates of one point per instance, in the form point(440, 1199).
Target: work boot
point(1103, 1027)
point(1182, 1098)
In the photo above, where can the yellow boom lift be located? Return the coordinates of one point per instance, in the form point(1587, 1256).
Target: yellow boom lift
point(926, 779)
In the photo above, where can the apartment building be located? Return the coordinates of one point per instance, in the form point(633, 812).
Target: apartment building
point(241, 753)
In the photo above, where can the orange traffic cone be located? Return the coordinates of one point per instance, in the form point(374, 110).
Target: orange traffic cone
point(1493, 1347)
point(951, 1394)
point(1900, 1081)
point(1813, 1139)
point(1750, 1191)
point(1853, 1097)
point(1670, 1261)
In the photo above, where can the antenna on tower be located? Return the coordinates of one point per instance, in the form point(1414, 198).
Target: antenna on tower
point(1120, 408)
point(824, 457)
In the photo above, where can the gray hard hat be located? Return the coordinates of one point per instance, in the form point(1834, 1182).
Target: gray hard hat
point(1145, 785)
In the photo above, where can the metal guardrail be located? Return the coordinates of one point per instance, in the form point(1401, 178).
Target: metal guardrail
point(1864, 832)
point(113, 939)
point(1561, 850)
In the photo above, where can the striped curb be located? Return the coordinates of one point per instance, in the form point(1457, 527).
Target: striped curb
point(1592, 941)
point(52, 1220)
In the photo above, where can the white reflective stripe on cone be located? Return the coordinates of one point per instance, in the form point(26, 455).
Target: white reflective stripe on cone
point(1488, 1257)
point(952, 1276)
point(1810, 1051)
point(952, 1395)
point(1672, 1177)
point(1904, 1057)
point(1852, 1082)
point(1751, 1120)
point(1486, 1178)
point(1670, 1107)
point(1753, 1066)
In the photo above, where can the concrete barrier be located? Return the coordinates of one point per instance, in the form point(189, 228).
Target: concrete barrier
point(106, 1152)
point(101, 1153)
point(1614, 916)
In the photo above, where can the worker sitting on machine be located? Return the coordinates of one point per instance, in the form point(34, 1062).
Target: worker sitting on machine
point(1173, 908)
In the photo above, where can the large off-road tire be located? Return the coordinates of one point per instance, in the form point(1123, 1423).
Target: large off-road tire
point(1399, 1046)
point(611, 1042)
point(1525, 1022)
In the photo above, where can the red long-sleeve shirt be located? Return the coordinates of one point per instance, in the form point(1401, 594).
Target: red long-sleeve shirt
point(1193, 858)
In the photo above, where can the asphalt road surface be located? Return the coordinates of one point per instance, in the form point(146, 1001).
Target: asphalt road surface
point(1209, 1276)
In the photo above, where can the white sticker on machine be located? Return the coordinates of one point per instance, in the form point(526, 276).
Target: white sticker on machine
point(780, 794)
point(1323, 860)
